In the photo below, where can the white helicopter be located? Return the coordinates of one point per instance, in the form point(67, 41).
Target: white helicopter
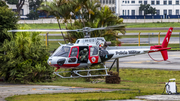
point(87, 51)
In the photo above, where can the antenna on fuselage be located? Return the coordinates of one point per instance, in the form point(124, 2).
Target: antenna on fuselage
point(60, 44)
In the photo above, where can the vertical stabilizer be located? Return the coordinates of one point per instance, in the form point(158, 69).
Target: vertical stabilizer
point(165, 44)
point(167, 38)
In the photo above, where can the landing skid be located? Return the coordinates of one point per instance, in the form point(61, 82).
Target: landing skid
point(79, 75)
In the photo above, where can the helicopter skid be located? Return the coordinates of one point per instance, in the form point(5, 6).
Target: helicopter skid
point(77, 72)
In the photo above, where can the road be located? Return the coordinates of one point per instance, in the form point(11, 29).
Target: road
point(145, 62)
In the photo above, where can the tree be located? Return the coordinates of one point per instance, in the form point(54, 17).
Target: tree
point(2, 3)
point(55, 8)
point(25, 58)
point(88, 12)
point(33, 5)
point(100, 18)
point(19, 4)
point(8, 21)
point(147, 9)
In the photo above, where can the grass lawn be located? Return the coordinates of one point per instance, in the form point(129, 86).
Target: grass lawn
point(54, 45)
point(153, 25)
point(149, 31)
point(135, 81)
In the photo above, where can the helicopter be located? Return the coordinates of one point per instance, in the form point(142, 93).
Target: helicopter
point(86, 52)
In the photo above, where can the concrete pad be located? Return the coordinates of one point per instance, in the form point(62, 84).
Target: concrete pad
point(160, 97)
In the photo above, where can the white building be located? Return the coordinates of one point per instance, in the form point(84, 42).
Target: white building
point(164, 8)
point(110, 3)
point(25, 9)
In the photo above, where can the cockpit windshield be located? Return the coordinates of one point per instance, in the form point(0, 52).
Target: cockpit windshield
point(62, 51)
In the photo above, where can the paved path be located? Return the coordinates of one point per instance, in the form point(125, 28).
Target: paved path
point(7, 90)
point(160, 97)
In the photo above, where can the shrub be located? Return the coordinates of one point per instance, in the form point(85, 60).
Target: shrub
point(8, 21)
point(25, 58)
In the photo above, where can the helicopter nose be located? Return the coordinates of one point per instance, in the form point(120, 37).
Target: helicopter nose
point(60, 62)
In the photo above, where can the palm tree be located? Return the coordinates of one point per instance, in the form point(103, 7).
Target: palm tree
point(55, 8)
point(99, 18)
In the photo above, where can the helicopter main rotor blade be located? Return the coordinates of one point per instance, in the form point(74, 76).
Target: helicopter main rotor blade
point(78, 30)
point(116, 27)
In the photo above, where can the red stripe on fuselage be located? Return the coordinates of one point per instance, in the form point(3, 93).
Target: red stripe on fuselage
point(66, 65)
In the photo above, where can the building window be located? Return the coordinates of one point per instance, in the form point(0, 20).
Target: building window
point(157, 2)
point(125, 1)
point(123, 12)
point(177, 2)
point(113, 2)
point(133, 12)
point(157, 12)
point(165, 12)
point(122, 1)
point(22, 12)
point(106, 1)
point(145, 2)
point(140, 2)
point(165, 2)
point(109, 1)
point(128, 1)
point(140, 12)
point(152, 2)
point(103, 1)
point(133, 1)
point(177, 11)
point(128, 12)
point(113, 9)
point(170, 12)
point(170, 2)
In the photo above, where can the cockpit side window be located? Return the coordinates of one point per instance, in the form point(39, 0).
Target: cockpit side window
point(63, 51)
point(77, 41)
point(74, 52)
point(93, 51)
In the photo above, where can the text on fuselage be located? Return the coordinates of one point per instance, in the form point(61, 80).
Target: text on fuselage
point(127, 52)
